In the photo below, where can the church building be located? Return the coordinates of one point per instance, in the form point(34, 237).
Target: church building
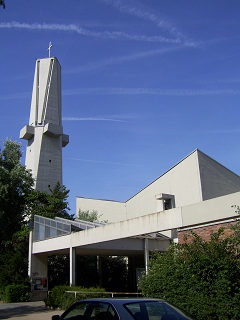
point(197, 193)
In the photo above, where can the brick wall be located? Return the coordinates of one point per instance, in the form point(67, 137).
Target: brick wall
point(205, 231)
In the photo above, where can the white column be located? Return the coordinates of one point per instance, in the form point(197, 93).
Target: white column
point(72, 280)
point(146, 254)
point(30, 254)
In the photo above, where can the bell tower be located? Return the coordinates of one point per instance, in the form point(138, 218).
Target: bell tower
point(44, 133)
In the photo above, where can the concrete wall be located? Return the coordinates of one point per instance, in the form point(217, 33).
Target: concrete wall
point(182, 181)
point(44, 131)
point(216, 180)
point(195, 215)
point(111, 211)
point(194, 179)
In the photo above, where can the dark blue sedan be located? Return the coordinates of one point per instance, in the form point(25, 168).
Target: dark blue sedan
point(123, 309)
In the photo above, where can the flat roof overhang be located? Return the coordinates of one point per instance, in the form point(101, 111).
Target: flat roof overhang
point(120, 237)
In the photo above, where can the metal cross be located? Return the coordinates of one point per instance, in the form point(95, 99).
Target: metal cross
point(49, 49)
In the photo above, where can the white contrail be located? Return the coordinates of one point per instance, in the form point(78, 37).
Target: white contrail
point(125, 58)
point(133, 9)
point(114, 35)
point(91, 119)
point(153, 91)
point(106, 162)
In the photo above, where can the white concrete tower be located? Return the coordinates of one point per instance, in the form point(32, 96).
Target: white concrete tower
point(44, 133)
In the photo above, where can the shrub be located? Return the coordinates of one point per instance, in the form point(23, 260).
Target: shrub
point(60, 298)
point(198, 273)
point(17, 293)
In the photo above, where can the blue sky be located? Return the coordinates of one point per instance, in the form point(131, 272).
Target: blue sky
point(144, 83)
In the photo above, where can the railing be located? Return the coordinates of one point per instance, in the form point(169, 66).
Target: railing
point(112, 294)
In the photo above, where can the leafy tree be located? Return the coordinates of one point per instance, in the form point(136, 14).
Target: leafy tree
point(2, 4)
point(15, 185)
point(58, 270)
point(114, 273)
point(114, 269)
point(14, 259)
point(91, 216)
point(19, 202)
point(200, 276)
point(49, 204)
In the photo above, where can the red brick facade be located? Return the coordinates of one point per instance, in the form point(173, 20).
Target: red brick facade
point(205, 231)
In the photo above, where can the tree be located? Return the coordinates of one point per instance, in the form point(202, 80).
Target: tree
point(91, 216)
point(49, 205)
point(199, 273)
point(2, 4)
point(16, 184)
point(113, 274)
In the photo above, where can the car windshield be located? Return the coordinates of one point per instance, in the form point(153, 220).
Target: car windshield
point(155, 310)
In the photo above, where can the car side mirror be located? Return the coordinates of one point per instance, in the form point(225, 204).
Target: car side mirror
point(56, 317)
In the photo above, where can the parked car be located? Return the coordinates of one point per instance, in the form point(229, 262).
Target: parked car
point(123, 309)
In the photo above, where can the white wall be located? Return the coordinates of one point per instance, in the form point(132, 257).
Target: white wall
point(111, 211)
point(182, 181)
point(216, 179)
point(194, 179)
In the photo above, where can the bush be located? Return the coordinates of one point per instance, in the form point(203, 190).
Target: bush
point(17, 293)
point(200, 276)
point(60, 298)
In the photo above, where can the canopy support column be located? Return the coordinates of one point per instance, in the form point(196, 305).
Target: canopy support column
point(146, 255)
point(72, 280)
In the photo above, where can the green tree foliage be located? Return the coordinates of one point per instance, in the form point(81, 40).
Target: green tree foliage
point(200, 276)
point(91, 216)
point(49, 204)
point(18, 203)
point(58, 270)
point(2, 4)
point(114, 273)
point(15, 185)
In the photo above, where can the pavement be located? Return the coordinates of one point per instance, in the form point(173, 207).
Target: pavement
point(26, 311)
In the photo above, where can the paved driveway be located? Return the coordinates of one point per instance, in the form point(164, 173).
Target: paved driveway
point(26, 311)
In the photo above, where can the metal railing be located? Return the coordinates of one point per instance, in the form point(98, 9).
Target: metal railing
point(104, 293)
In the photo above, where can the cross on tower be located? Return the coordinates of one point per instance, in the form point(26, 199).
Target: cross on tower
point(49, 49)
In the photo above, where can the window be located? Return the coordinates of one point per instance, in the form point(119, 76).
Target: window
point(166, 201)
point(91, 311)
point(155, 310)
point(167, 204)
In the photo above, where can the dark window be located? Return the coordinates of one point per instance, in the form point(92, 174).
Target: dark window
point(167, 204)
point(91, 310)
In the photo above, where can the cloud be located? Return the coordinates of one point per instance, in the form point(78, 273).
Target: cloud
point(133, 9)
point(227, 131)
point(114, 35)
point(121, 59)
point(15, 96)
point(153, 91)
point(91, 119)
point(106, 162)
